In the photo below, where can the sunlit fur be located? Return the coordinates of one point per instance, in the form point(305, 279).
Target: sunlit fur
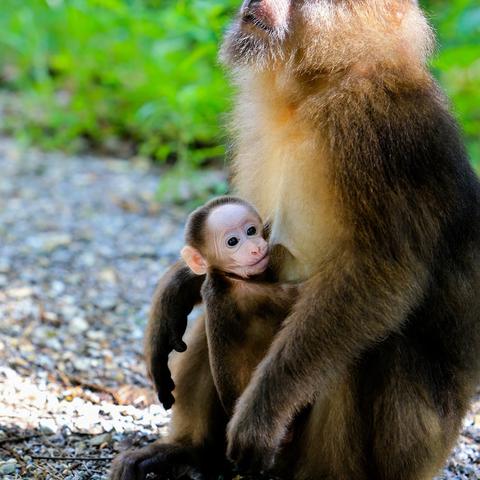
point(259, 49)
point(280, 121)
point(325, 36)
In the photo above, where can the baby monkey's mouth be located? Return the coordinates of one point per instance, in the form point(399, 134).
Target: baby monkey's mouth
point(264, 257)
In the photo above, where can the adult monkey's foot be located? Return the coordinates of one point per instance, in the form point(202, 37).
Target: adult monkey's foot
point(168, 460)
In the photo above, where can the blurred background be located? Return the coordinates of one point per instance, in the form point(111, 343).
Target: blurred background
point(140, 77)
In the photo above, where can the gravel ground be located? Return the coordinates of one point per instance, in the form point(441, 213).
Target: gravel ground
point(82, 244)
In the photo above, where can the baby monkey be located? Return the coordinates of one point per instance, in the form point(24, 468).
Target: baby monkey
point(225, 240)
point(226, 234)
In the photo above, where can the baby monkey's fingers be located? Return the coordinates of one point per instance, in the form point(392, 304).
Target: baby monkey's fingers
point(164, 385)
point(166, 399)
point(179, 345)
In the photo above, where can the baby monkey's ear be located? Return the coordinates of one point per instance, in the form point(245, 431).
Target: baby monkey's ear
point(194, 259)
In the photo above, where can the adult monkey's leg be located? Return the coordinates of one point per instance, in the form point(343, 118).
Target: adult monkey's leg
point(414, 411)
point(411, 440)
point(196, 444)
point(378, 424)
point(328, 439)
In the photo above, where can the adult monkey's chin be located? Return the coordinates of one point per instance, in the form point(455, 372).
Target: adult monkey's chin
point(255, 37)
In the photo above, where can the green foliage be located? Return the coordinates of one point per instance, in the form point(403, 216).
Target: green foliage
point(98, 72)
point(457, 64)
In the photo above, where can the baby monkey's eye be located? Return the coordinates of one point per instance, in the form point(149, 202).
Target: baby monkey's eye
point(232, 241)
point(251, 231)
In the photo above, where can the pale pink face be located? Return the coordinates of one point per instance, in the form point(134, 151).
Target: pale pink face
point(235, 240)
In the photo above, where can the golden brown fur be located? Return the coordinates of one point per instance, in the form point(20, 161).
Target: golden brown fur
point(344, 144)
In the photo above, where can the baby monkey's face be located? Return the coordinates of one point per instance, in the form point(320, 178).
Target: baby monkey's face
point(236, 240)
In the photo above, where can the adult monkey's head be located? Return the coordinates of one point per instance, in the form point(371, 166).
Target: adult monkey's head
point(326, 35)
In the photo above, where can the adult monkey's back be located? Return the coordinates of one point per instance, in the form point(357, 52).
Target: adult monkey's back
point(344, 143)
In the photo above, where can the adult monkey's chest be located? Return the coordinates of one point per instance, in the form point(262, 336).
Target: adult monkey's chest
point(284, 171)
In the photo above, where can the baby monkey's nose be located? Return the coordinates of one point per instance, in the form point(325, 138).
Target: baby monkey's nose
point(255, 249)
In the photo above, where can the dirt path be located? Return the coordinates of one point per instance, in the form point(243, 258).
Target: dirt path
point(82, 243)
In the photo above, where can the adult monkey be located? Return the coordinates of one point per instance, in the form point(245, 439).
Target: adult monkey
point(344, 143)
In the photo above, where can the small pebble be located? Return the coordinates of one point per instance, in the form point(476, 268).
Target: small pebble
point(8, 467)
point(78, 325)
point(100, 439)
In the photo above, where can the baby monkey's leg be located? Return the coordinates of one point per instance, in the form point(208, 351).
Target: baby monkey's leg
point(195, 447)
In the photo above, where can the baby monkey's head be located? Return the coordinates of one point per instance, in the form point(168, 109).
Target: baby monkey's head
point(226, 234)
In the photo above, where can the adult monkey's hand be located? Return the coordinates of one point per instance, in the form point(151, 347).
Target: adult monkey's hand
point(175, 296)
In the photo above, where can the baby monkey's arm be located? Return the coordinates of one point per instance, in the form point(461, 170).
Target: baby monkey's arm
point(243, 316)
point(177, 292)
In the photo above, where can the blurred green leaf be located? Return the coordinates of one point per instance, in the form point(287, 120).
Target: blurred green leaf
point(139, 71)
point(92, 73)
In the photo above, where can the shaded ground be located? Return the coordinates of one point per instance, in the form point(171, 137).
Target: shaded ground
point(82, 244)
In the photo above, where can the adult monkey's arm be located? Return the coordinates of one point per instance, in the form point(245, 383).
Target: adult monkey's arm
point(177, 292)
point(340, 313)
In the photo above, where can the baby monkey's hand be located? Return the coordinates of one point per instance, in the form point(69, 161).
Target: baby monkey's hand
point(175, 296)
